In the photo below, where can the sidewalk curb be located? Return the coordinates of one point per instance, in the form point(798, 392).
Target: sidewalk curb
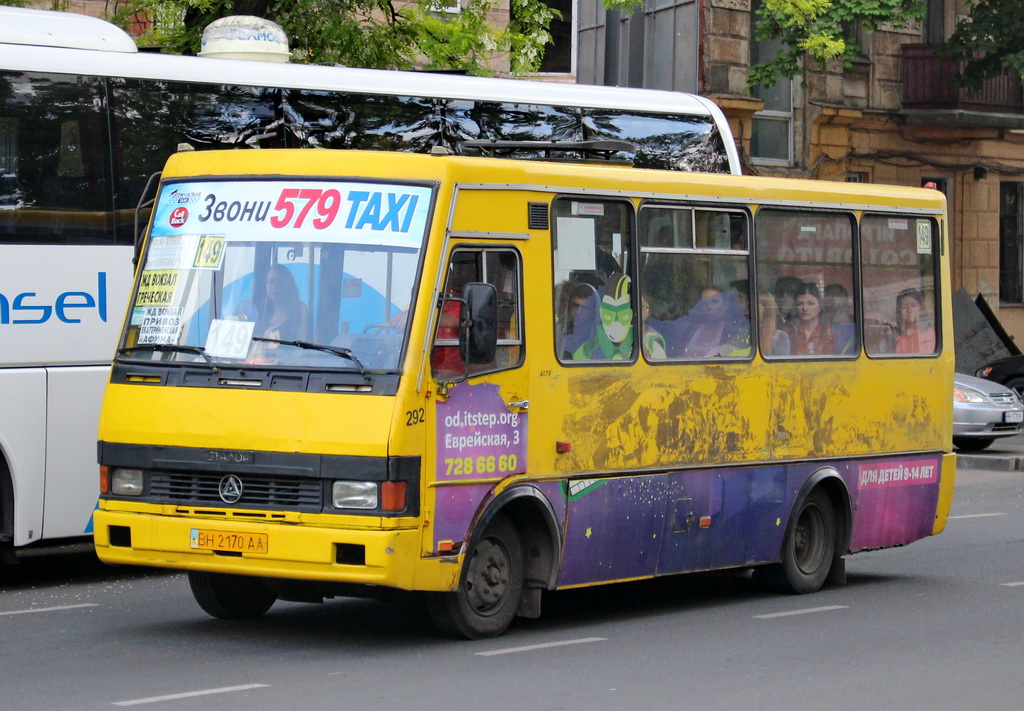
point(990, 462)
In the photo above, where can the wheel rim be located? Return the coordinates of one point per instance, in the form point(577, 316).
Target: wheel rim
point(487, 580)
point(809, 540)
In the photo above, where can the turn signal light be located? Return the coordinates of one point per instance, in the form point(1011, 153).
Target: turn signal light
point(104, 479)
point(392, 496)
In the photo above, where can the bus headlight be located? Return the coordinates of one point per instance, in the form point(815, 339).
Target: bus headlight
point(354, 495)
point(126, 482)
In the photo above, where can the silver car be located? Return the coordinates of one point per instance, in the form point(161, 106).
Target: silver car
point(983, 411)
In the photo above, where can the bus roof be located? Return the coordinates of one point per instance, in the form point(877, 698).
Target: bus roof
point(556, 177)
point(43, 28)
point(51, 42)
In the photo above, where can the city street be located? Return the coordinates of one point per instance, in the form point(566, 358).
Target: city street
point(935, 625)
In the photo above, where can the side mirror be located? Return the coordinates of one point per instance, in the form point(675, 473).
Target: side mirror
point(478, 327)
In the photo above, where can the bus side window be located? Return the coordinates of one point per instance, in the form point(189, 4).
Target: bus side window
point(595, 307)
point(806, 276)
point(898, 264)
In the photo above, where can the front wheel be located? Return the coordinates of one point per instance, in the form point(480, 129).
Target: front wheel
point(489, 596)
point(808, 550)
point(230, 597)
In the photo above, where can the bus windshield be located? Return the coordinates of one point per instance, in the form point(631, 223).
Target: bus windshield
point(308, 274)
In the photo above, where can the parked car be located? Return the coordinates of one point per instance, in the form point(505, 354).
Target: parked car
point(984, 411)
point(1005, 371)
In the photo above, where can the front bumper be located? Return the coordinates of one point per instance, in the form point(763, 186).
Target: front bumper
point(390, 558)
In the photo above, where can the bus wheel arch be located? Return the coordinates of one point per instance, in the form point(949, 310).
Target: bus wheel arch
point(6, 503)
point(518, 530)
point(817, 536)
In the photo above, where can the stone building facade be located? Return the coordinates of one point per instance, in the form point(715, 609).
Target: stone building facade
point(896, 116)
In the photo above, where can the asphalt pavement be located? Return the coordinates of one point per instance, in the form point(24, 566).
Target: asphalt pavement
point(1005, 454)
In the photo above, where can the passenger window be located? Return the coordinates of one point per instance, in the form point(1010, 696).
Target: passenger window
point(594, 305)
point(500, 267)
point(806, 295)
point(900, 299)
point(695, 285)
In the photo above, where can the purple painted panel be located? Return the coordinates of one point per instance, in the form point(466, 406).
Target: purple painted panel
point(613, 529)
point(894, 500)
point(456, 509)
point(477, 436)
point(636, 526)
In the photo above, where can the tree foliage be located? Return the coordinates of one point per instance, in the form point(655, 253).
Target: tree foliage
point(376, 34)
point(820, 31)
point(990, 40)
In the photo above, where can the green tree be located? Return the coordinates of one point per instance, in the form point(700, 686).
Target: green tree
point(363, 33)
point(988, 40)
point(818, 30)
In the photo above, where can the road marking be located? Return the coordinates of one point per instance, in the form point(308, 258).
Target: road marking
point(801, 612)
point(532, 647)
point(978, 515)
point(49, 609)
point(189, 694)
point(1012, 585)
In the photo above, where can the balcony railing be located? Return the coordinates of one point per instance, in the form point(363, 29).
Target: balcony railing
point(929, 83)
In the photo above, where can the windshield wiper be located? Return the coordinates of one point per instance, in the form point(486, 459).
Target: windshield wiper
point(172, 348)
point(336, 350)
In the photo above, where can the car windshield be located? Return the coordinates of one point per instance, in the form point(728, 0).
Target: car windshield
point(295, 273)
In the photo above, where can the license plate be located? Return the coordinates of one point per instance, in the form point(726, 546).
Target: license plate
point(1013, 417)
point(232, 541)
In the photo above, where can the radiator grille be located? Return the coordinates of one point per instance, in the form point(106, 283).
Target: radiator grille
point(257, 492)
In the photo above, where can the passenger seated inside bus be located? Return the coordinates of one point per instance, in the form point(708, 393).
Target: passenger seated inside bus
point(774, 341)
point(715, 326)
point(610, 335)
point(914, 332)
point(284, 316)
point(653, 343)
point(786, 288)
point(809, 331)
point(572, 295)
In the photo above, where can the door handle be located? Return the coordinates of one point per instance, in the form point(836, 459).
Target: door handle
point(521, 404)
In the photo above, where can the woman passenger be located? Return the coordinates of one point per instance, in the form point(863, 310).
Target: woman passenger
point(911, 337)
point(286, 316)
point(809, 332)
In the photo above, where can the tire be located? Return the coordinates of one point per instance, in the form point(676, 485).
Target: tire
point(808, 550)
point(491, 589)
point(230, 597)
point(972, 444)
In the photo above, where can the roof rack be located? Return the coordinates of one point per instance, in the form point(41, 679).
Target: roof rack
point(591, 150)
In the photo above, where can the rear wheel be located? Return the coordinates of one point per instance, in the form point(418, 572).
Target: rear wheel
point(492, 587)
point(230, 597)
point(808, 550)
point(972, 444)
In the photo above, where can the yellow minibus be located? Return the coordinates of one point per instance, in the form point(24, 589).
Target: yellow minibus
point(481, 378)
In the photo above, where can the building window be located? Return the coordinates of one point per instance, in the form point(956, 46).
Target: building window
point(1011, 243)
point(771, 139)
point(560, 54)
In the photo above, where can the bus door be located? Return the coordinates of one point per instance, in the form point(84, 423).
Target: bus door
point(482, 409)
